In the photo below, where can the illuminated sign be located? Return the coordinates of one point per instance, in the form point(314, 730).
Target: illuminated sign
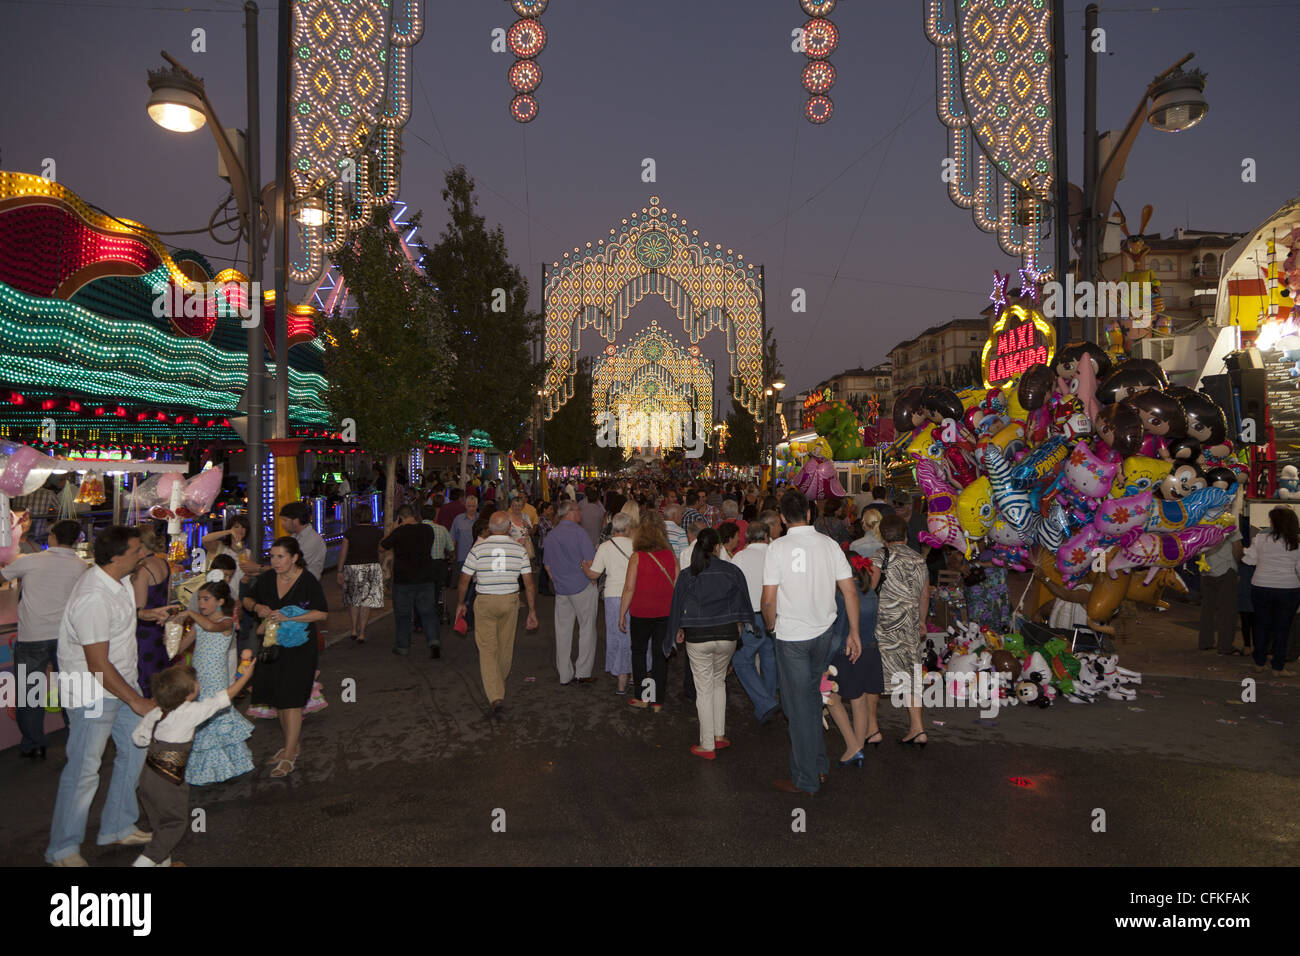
point(821, 396)
point(1021, 338)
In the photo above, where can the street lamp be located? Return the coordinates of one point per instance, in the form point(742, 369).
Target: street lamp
point(772, 391)
point(1177, 103)
point(179, 103)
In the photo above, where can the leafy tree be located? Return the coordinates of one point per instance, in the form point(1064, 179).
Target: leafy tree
point(743, 447)
point(387, 363)
point(493, 379)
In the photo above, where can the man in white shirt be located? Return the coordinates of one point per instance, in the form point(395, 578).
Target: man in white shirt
point(297, 521)
point(759, 681)
point(98, 670)
point(801, 572)
point(47, 580)
point(497, 564)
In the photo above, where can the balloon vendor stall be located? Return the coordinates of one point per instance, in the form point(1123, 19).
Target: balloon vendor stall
point(1097, 478)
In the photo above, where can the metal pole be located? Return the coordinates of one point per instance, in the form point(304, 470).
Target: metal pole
point(1090, 261)
point(1063, 331)
point(256, 396)
point(282, 77)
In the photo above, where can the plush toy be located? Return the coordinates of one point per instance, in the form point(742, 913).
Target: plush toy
point(1289, 483)
point(817, 479)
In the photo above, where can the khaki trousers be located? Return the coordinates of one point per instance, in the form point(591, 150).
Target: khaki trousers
point(496, 618)
point(709, 660)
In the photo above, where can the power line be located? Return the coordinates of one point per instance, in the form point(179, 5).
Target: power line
point(861, 212)
point(152, 8)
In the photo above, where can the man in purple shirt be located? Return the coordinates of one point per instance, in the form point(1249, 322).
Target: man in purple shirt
point(592, 516)
point(568, 551)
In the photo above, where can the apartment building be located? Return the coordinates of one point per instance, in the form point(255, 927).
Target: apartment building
point(943, 353)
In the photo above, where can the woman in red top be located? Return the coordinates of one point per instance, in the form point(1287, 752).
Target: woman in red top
point(648, 597)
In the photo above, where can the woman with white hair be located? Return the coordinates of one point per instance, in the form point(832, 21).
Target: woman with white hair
point(611, 560)
point(731, 512)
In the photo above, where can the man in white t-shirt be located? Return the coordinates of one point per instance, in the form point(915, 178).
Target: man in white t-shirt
point(47, 579)
point(98, 667)
point(801, 572)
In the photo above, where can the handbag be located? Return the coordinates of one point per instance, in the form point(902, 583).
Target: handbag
point(884, 566)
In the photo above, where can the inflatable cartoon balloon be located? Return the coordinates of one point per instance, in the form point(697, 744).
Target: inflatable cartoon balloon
point(975, 509)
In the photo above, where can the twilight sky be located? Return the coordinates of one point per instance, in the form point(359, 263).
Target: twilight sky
point(708, 88)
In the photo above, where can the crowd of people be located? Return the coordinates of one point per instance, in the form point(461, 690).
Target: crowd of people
point(810, 604)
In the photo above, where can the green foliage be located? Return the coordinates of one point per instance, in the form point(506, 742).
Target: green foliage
point(387, 364)
point(570, 437)
point(839, 426)
point(743, 447)
point(493, 380)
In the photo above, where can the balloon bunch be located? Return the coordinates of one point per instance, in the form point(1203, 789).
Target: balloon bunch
point(1103, 471)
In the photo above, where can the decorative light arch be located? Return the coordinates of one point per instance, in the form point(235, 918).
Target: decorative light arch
point(653, 252)
point(995, 97)
point(351, 98)
point(654, 376)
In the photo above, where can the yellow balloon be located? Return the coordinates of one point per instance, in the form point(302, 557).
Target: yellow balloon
point(975, 508)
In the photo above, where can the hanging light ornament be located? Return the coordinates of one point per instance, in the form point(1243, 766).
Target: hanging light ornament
point(820, 38)
point(526, 39)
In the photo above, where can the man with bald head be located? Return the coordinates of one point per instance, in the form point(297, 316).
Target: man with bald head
point(496, 565)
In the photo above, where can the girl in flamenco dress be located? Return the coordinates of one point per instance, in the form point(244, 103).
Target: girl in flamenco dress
point(220, 752)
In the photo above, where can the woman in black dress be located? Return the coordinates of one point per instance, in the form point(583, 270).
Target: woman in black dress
point(285, 682)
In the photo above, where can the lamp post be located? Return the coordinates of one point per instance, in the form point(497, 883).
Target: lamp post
point(1177, 103)
point(541, 446)
point(180, 103)
point(772, 391)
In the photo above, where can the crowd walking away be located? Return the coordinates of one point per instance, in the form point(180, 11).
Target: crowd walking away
point(809, 603)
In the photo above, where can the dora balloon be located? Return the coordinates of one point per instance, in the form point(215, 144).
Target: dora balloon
point(1162, 419)
point(1119, 433)
point(909, 411)
point(1206, 423)
point(1126, 381)
point(1067, 361)
point(1224, 478)
point(1182, 449)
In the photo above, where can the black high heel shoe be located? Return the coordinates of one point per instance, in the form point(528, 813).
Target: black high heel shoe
point(855, 760)
point(914, 742)
point(872, 739)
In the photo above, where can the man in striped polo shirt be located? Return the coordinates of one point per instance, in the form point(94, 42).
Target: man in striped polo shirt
point(495, 564)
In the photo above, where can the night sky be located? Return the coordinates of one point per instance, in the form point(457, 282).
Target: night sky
point(711, 91)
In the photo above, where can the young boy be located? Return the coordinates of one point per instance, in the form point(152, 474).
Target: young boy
point(168, 732)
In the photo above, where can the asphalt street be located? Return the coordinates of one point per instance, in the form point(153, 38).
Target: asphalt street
point(415, 772)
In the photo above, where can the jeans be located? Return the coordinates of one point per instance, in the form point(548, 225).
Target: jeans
point(87, 738)
point(649, 632)
point(31, 657)
point(1275, 609)
point(801, 665)
point(759, 682)
point(423, 597)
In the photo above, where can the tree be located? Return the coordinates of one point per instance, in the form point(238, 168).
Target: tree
point(743, 447)
point(493, 381)
point(388, 363)
point(571, 433)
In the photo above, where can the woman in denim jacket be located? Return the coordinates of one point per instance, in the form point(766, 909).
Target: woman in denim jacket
point(710, 605)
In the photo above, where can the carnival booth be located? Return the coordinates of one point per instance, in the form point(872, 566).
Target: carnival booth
point(159, 491)
point(1096, 476)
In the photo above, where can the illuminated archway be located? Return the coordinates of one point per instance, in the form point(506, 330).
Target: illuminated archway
point(658, 393)
point(653, 252)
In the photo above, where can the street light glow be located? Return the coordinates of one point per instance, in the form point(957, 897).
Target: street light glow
point(176, 102)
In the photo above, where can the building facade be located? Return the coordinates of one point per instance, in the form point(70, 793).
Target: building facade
point(947, 354)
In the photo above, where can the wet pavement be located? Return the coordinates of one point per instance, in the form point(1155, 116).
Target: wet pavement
point(415, 772)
